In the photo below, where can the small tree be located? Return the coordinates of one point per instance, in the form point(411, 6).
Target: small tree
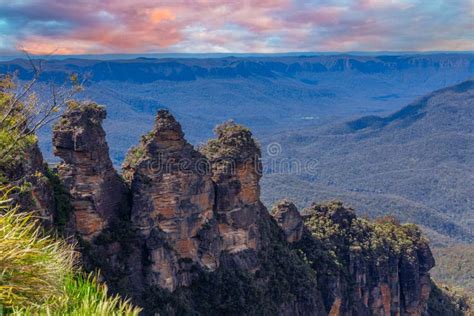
point(23, 112)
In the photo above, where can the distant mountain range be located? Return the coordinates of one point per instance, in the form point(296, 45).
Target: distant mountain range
point(416, 164)
point(222, 55)
point(268, 94)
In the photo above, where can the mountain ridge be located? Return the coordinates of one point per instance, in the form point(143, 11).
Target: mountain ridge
point(146, 70)
point(412, 111)
point(268, 94)
point(421, 149)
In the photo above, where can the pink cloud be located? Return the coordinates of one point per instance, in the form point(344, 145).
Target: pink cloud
point(133, 26)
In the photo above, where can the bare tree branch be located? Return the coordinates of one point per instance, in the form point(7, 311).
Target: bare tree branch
point(24, 113)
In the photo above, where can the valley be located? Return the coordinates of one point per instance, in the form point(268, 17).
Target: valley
point(267, 94)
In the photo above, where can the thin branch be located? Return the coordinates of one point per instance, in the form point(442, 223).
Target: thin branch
point(35, 114)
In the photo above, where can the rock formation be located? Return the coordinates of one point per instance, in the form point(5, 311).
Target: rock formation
point(200, 213)
point(196, 239)
point(235, 162)
point(98, 193)
point(377, 275)
point(37, 196)
point(289, 219)
point(173, 201)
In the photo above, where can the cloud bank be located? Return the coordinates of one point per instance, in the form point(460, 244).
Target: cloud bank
point(144, 26)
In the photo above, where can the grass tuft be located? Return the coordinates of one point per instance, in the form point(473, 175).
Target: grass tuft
point(38, 274)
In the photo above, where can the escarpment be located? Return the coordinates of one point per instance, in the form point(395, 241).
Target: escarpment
point(364, 268)
point(194, 238)
point(98, 193)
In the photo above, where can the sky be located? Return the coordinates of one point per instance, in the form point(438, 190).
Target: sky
point(259, 26)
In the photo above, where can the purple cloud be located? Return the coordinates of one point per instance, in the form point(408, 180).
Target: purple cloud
point(86, 26)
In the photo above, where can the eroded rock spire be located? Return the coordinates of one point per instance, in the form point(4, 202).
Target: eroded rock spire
point(173, 201)
point(236, 170)
point(98, 193)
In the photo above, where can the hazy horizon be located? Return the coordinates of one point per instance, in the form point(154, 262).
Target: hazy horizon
point(22, 55)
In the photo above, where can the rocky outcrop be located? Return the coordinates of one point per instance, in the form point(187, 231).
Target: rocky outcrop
point(36, 194)
point(236, 170)
point(199, 214)
point(289, 219)
point(196, 236)
point(195, 209)
point(98, 193)
point(365, 268)
point(173, 204)
point(41, 190)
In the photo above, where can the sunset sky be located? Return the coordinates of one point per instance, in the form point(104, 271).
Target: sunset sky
point(265, 26)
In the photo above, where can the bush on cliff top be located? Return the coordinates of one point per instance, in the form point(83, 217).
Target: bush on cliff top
point(232, 141)
point(38, 274)
point(336, 234)
point(339, 230)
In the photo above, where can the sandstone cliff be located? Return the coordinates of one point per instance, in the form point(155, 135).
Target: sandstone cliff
point(35, 192)
point(234, 160)
point(289, 219)
point(194, 238)
point(173, 204)
point(364, 268)
point(98, 193)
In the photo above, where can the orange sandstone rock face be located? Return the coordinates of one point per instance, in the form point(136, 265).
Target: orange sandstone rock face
point(192, 207)
point(336, 307)
point(88, 222)
point(388, 282)
point(98, 194)
point(173, 198)
point(236, 172)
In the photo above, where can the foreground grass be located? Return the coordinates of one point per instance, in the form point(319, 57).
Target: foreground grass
point(38, 275)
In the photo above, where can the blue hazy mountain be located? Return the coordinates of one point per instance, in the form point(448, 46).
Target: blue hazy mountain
point(266, 93)
point(416, 163)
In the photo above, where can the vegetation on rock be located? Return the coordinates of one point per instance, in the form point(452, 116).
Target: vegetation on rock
point(232, 141)
point(62, 201)
point(356, 258)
